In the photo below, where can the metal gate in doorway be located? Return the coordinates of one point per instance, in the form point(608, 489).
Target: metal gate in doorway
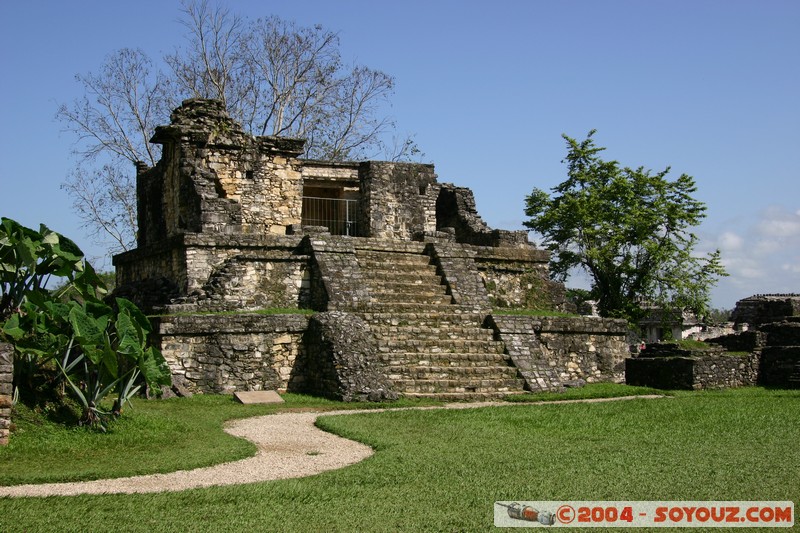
point(338, 215)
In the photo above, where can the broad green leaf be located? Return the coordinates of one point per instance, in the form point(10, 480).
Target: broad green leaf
point(155, 369)
point(135, 313)
point(128, 337)
point(11, 328)
point(86, 328)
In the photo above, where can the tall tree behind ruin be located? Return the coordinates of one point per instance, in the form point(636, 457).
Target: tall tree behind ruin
point(629, 229)
point(275, 78)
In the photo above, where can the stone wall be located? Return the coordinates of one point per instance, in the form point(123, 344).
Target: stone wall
point(219, 272)
point(456, 208)
point(398, 200)
point(712, 371)
point(224, 353)
point(780, 367)
point(780, 356)
point(215, 178)
point(776, 344)
point(519, 278)
point(6, 384)
point(765, 308)
point(552, 352)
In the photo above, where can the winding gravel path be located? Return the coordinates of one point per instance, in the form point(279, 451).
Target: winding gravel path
point(289, 446)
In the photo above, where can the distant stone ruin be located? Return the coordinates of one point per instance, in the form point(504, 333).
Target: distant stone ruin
point(765, 351)
point(400, 279)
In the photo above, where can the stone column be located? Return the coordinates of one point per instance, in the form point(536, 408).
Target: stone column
point(6, 378)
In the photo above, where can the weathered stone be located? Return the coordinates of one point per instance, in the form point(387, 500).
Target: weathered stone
point(6, 380)
point(340, 359)
point(711, 371)
point(260, 396)
point(226, 224)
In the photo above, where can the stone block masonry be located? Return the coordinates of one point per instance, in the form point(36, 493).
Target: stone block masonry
point(712, 371)
point(6, 384)
point(223, 353)
point(552, 352)
point(339, 360)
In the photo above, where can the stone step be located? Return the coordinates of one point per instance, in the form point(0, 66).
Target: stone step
point(409, 279)
point(463, 396)
point(458, 373)
point(437, 346)
point(367, 244)
point(463, 385)
point(391, 360)
point(399, 307)
point(446, 332)
point(386, 258)
point(399, 271)
point(423, 298)
point(422, 285)
point(430, 319)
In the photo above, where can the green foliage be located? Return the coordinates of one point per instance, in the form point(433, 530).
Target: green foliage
point(629, 229)
point(718, 316)
point(71, 338)
point(29, 258)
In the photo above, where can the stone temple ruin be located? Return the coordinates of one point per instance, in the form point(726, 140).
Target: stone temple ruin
point(401, 278)
point(765, 351)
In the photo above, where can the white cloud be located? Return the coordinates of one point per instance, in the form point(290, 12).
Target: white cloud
point(793, 268)
point(730, 241)
point(778, 223)
point(761, 256)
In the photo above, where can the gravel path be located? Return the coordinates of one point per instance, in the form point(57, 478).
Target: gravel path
point(289, 446)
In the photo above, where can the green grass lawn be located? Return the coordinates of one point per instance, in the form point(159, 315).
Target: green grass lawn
point(442, 470)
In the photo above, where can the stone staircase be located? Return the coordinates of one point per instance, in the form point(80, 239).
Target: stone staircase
point(429, 346)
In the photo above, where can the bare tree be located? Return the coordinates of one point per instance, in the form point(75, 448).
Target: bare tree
point(105, 198)
point(212, 63)
point(274, 77)
point(277, 78)
point(121, 106)
point(113, 123)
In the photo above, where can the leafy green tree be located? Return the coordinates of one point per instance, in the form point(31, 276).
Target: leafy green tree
point(629, 229)
point(71, 338)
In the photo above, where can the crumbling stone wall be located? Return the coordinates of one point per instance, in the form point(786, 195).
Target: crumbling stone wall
point(6, 384)
point(456, 208)
point(774, 337)
point(519, 278)
point(224, 353)
point(219, 272)
point(340, 360)
point(711, 371)
point(215, 178)
point(552, 352)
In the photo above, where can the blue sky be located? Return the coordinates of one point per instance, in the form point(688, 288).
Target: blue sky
point(709, 88)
